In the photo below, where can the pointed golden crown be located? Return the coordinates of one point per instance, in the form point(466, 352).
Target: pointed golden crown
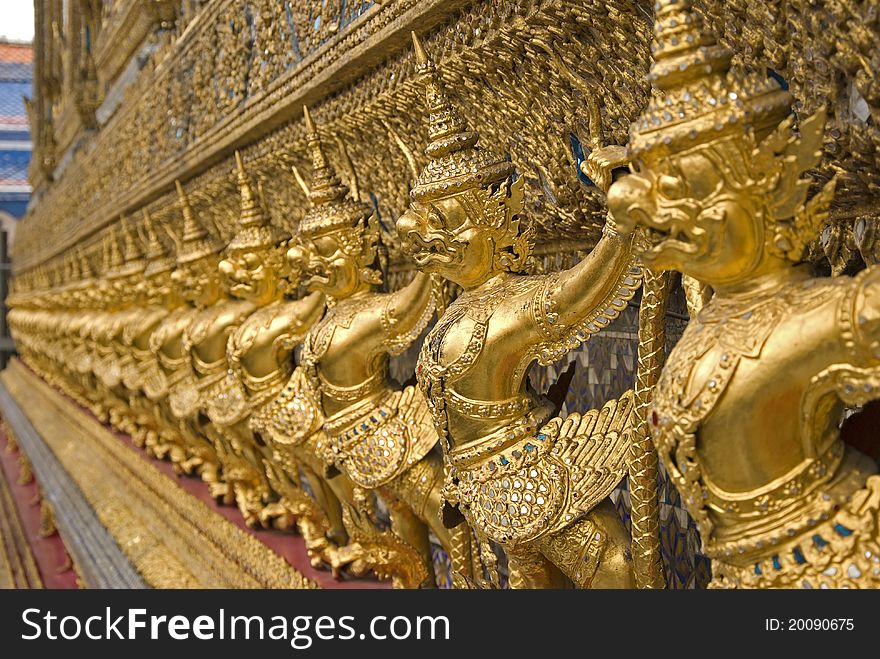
point(158, 260)
point(71, 268)
point(105, 254)
point(255, 229)
point(195, 242)
point(133, 257)
point(704, 99)
point(115, 259)
point(332, 204)
point(85, 266)
point(456, 163)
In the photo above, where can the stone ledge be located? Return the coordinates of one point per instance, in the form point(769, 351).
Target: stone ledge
point(91, 546)
point(126, 524)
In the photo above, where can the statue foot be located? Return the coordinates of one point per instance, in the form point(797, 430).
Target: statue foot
point(275, 515)
point(220, 492)
point(404, 568)
point(139, 437)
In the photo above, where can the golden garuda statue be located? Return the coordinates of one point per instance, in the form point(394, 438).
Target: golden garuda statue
point(521, 476)
point(196, 259)
point(122, 301)
point(160, 300)
point(259, 357)
point(747, 411)
point(223, 306)
point(379, 437)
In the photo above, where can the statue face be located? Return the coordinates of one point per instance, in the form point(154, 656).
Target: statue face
point(694, 220)
point(198, 281)
point(252, 275)
point(442, 238)
point(139, 289)
point(159, 287)
point(109, 291)
point(326, 265)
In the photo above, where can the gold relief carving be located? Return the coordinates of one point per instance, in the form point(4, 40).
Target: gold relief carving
point(756, 42)
point(378, 100)
point(124, 25)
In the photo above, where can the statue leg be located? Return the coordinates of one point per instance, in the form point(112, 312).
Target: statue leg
point(529, 569)
point(407, 526)
point(328, 495)
point(234, 452)
point(202, 457)
point(421, 488)
point(593, 552)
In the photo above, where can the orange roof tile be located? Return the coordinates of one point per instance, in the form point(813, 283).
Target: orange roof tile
point(17, 53)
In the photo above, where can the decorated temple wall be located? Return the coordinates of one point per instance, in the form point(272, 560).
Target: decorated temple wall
point(239, 72)
point(544, 81)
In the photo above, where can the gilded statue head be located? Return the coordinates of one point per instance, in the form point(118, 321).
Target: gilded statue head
point(253, 263)
point(85, 293)
point(716, 179)
point(337, 242)
point(196, 276)
point(463, 222)
point(111, 285)
point(157, 275)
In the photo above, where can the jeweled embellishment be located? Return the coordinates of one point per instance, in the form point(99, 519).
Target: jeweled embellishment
point(516, 503)
point(227, 402)
point(293, 415)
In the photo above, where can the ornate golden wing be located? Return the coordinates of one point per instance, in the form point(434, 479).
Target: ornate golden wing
point(594, 449)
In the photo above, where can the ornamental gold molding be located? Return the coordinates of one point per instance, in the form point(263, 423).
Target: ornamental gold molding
point(198, 95)
point(124, 25)
point(171, 537)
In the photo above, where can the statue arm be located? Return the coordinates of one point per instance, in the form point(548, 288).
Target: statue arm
point(574, 304)
point(306, 312)
point(860, 318)
point(407, 312)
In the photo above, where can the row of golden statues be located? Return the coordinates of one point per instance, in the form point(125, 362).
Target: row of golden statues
point(283, 404)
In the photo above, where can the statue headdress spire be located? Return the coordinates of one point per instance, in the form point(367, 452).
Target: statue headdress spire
point(85, 267)
point(132, 255)
point(457, 163)
point(700, 99)
point(157, 258)
point(332, 204)
point(195, 242)
point(255, 229)
point(115, 260)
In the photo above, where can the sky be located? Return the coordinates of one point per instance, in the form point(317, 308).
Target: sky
point(17, 20)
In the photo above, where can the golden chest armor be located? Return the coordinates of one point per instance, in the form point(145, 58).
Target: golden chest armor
point(531, 477)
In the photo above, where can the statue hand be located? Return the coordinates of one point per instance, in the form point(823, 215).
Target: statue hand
point(600, 163)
